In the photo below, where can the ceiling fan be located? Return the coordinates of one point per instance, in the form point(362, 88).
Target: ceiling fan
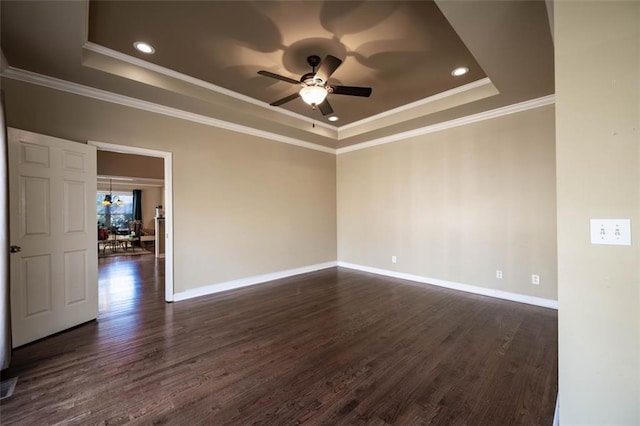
point(314, 88)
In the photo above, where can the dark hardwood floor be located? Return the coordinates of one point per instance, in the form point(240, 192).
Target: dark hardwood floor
point(329, 347)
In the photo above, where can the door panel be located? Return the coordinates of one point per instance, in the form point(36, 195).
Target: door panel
point(54, 282)
point(36, 285)
point(75, 161)
point(76, 274)
point(34, 155)
point(35, 192)
point(75, 202)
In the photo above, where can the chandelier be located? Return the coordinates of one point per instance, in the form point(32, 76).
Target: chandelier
point(109, 199)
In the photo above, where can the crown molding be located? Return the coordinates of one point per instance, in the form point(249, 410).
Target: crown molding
point(417, 104)
point(103, 95)
point(485, 115)
point(3, 62)
point(85, 21)
point(129, 181)
point(137, 62)
point(131, 60)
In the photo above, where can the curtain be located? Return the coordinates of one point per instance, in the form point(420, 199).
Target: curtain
point(137, 204)
point(5, 314)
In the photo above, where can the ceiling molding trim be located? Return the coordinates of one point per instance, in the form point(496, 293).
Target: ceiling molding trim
point(103, 95)
point(3, 61)
point(101, 50)
point(129, 181)
point(119, 186)
point(127, 149)
point(486, 115)
point(85, 22)
point(550, 6)
point(460, 89)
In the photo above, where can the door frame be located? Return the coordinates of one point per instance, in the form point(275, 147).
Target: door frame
point(168, 202)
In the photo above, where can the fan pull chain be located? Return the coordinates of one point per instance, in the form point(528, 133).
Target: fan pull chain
point(313, 124)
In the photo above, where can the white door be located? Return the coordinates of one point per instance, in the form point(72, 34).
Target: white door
point(52, 210)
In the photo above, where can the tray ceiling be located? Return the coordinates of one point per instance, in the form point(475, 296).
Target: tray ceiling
point(404, 50)
point(208, 54)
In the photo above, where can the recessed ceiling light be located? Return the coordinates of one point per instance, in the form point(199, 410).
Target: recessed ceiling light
point(333, 118)
point(144, 47)
point(459, 71)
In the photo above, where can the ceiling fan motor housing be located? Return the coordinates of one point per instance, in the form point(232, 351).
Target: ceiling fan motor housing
point(313, 61)
point(310, 80)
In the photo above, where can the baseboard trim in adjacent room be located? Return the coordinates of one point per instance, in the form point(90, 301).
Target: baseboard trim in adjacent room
point(499, 294)
point(245, 282)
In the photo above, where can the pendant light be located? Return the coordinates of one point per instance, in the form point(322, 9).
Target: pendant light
point(109, 199)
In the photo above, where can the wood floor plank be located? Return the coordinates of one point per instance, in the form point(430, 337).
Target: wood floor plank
point(330, 347)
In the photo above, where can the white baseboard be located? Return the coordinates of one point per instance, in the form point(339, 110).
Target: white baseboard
point(556, 413)
point(258, 279)
point(245, 282)
point(499, 294)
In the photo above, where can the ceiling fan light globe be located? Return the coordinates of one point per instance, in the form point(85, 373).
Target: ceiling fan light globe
point(313, 95)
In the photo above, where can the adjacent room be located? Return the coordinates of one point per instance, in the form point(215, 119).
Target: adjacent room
point(129, 204)
point(331, 212)
point(130, 221)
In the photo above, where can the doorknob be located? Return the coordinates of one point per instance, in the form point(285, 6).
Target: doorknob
point(15, 249)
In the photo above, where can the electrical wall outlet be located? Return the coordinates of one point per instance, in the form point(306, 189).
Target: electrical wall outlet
point(535, 279)
point(394, 259)
point(499, 274)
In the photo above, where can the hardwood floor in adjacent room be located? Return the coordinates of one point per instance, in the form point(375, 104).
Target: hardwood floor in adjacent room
point(330, 347)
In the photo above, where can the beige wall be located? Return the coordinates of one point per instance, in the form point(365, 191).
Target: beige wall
point(151, 197)
point(598, 167)
point(141, 166)
point(243, 205)
point(457, 205)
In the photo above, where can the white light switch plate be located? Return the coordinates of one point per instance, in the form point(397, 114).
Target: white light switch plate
point(611, 231)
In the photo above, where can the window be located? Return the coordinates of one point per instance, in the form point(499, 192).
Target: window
point(115, 216)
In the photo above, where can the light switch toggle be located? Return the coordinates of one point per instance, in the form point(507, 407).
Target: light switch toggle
point(611, 231)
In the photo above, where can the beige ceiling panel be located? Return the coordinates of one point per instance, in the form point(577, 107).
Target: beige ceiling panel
point(405, 50)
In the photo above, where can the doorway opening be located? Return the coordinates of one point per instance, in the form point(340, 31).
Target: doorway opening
point(167, 207)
